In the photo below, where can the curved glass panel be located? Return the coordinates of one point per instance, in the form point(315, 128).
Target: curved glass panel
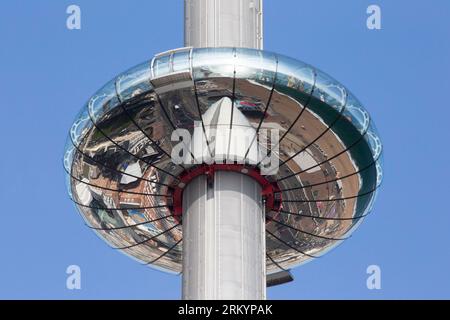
point(161, 65)
point(295, 75)
point(255, 75)
point(123, 171)
point(256, 65)
point(103, 101)
point(374, 140)
point(69, 151)
point(156, 255)
point(181, 61)
point(106, 145)
point(213, 71)
point(335, 199)
point(330, 91)
point(81, 125)
point(69, 185)
point(379, 168)
point(324, 153)
point(148, 117)
point(356, 114)
point(305, 168)
point(134, 81)
point(294, 82)
point(213, 63)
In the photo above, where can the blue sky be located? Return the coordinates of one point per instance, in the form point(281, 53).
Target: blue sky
point(401, 74)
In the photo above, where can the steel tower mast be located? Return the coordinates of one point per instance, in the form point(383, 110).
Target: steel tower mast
point(224, 23)
point(207, 215)
point(223, 217)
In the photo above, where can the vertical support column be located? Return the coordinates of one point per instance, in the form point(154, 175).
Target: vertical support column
point(223, 238)
point(224, 23)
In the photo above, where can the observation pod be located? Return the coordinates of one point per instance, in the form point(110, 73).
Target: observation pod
point(130, 184)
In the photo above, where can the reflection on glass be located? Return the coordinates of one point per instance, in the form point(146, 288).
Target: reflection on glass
point(103, 101)
point(134, 81)
point(379, 169)
point(255, 65)
point(295, 74)
point(125, 174)
point(181, 61)
point(374, 140)
point(69, 185)
point(80, 126)
point(69, 151)
point(161, 65)
point(213, 63)
point(330, 91)
point(356, 114)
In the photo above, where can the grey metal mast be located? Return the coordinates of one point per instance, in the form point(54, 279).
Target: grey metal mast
point(223, 217)
point(224, 23)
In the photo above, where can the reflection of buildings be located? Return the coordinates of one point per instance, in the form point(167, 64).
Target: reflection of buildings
point(117, 171)
point(99, 182)
point(250, 109)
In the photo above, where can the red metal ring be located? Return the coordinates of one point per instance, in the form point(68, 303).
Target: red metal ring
point(270, 190)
